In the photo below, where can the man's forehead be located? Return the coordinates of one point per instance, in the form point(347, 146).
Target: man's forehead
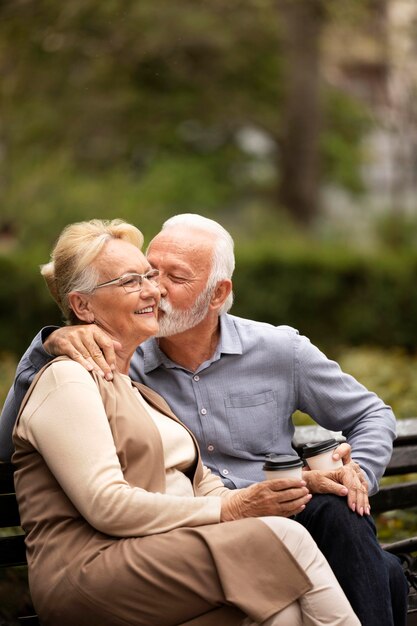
point(180, 254)
point(178, 243)
point(176, 262)
point(187, 235)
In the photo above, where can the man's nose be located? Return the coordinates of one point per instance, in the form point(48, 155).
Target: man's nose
point(162, 287)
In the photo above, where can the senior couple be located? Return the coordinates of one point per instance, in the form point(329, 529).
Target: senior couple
point(132, 511)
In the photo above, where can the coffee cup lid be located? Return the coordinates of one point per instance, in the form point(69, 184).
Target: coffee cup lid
point(281, 461)
point(313, 449)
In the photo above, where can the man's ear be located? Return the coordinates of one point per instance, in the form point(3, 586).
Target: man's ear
point(222, 290)
point(81, 305)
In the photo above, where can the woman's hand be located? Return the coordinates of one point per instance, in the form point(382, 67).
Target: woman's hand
point(281, 496)
point(88, 345)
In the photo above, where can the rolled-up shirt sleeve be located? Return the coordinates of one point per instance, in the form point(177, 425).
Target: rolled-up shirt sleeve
point(338, 402)
point(66, 422)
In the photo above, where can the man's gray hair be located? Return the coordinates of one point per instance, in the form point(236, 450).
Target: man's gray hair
point(223, 250)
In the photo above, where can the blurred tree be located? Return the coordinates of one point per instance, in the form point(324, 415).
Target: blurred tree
point(300, 145)
point(304, 103)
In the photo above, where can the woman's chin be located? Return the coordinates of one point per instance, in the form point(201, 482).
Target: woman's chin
point(149, 329)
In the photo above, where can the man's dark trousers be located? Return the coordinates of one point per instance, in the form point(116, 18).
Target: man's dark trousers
point(372, 579)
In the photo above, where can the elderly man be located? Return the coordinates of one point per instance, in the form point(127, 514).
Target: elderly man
point(236, 384)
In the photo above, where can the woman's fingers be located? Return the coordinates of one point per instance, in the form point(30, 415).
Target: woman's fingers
point(282, 497)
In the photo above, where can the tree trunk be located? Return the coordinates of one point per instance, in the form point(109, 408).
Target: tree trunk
point(299, 158)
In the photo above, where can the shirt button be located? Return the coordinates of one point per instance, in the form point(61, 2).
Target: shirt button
point(225, 472)
point(210, 448)
point(203, 411)
point(196, 378)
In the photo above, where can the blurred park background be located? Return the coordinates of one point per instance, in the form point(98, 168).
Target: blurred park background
point(292, 122)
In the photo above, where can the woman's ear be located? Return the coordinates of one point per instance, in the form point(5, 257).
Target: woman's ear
point(221, 292)
point(81, 305)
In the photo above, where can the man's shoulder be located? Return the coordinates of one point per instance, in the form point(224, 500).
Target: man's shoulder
point(256, 337)
point(262, 328)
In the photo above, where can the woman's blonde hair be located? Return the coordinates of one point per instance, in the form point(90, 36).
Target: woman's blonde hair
point(70, 268)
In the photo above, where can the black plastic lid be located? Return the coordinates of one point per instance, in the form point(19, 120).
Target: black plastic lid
point(281, 461)
point(313, 449)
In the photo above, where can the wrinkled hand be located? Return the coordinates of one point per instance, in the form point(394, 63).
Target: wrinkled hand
point(348, 480)
point(88, 345)
point(343, 451)
point(280, 496)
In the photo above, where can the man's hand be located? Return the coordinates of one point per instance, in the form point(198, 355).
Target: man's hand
point(343, 452)
point(88, 345)
point(348, 480)
point(280, 496)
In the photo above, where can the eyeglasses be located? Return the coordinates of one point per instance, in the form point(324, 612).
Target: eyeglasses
point(132, 282)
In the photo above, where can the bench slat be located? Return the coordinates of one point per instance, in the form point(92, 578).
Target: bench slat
point(403, 461)
point(394, 497)
point(12, 551)
point(403, 545)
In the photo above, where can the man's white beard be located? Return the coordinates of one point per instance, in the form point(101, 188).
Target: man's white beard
point(175, 321)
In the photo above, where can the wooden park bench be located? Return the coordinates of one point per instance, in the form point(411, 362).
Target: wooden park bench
point(398, 495)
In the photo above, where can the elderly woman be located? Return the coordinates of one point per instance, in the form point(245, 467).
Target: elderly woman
point(124, 525)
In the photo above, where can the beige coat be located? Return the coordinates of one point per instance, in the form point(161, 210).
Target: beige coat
point(80, 576)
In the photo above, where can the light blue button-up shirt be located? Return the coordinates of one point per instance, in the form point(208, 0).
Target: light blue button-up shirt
point(240, 402)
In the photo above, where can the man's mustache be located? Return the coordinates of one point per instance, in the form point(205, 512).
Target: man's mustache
point(163, 305)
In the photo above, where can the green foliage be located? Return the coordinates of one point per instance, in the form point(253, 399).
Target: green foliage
point(390, 373)
point(347, 122)
point(397, 230)
point(397, 525)
point(134, 108)
point(113, 80)
point(52, 193)
point(333, 296)
point(25, 305)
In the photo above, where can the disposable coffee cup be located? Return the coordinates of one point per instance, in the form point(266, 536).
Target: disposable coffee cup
point(318, 456)
point(282, 466)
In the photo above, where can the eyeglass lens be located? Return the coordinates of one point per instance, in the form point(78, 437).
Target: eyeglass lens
point(135, 281)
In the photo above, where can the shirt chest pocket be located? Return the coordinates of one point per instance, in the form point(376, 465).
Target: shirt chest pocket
point(253, 421)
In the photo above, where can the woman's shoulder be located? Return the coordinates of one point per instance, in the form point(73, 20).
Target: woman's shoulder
point(62, 371)
point(59, 379)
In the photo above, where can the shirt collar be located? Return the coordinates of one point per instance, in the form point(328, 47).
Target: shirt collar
point(229, 343)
